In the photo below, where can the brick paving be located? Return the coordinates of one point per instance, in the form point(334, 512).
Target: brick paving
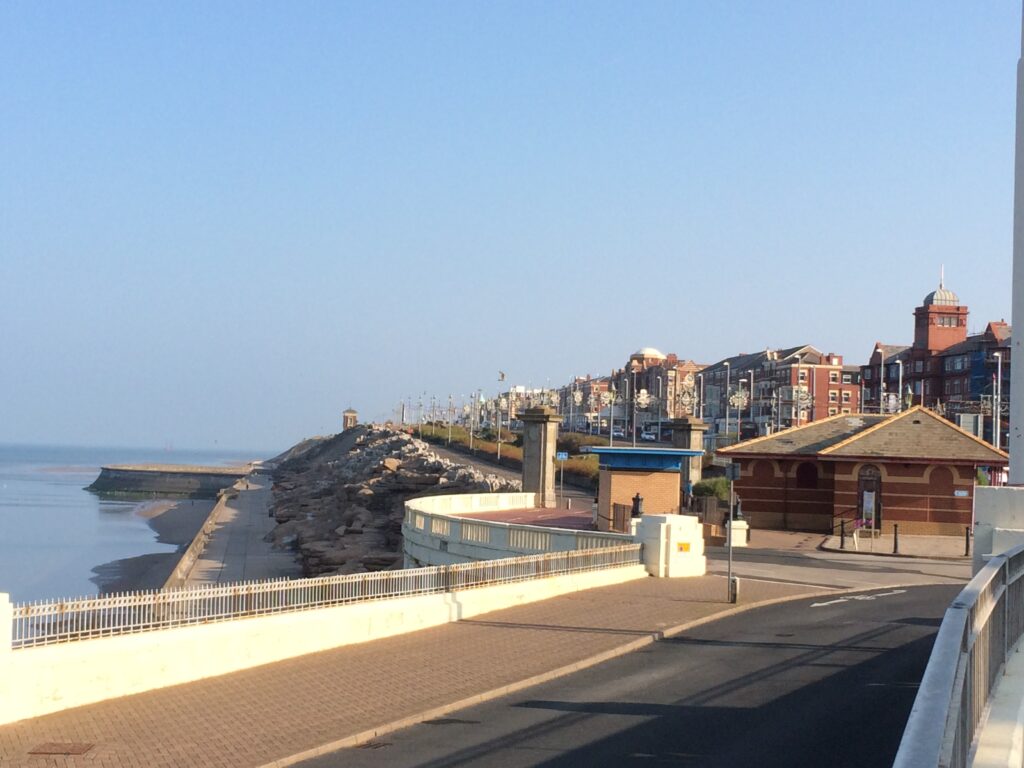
point(269, 713)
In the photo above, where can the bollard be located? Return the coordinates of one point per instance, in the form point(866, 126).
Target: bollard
point(842, 534)
point(895, 539)
point(967, 541)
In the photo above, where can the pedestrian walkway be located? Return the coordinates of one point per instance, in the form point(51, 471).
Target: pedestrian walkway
point(237, 549)
point(272, 714)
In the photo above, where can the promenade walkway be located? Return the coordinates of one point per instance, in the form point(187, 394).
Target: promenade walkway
point(237, 550)
point(271, 715)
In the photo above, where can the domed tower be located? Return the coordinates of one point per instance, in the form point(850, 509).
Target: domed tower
point(940, 321)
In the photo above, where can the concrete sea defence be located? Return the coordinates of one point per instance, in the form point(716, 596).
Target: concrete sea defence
point(166, 480)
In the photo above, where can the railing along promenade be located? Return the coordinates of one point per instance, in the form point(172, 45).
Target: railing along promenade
point(443, 527)
point(977, 634)
point(60, 621)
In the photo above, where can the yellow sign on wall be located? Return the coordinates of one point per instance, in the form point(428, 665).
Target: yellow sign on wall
point(683, 546)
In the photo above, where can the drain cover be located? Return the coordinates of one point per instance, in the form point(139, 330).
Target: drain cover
point(61, 748)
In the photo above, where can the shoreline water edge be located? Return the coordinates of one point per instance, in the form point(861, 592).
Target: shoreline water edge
point(59, 540)
point(175, 522)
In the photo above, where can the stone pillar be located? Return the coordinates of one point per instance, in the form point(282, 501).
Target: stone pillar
point(540, 432)
point(688, 433)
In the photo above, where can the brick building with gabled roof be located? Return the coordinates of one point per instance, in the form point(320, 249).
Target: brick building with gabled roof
point(914, 468)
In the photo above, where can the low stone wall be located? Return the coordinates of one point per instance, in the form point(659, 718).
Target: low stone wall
point(191, 482)
point(195, 550)
point(440, 530)
point(38, 681)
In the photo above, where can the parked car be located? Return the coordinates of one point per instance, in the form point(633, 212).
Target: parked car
point(650, 437)
point(618, 432)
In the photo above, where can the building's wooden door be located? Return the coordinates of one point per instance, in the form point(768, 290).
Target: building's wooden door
point(869, 496)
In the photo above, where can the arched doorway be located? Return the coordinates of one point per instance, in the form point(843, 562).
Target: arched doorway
point(869, 496)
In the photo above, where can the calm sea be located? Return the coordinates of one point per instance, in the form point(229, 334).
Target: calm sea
point(53, 532)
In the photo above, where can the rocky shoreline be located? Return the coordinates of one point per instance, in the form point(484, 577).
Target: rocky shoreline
point(339, 500)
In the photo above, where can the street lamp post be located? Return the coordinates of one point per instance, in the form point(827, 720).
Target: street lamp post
point(997, 412)
point(660, 407)
point(752, 397)
point(700, 397)
point(739, 409)
point(899, 386)
point(727, 368)
point(632, 400)
point(881, 380)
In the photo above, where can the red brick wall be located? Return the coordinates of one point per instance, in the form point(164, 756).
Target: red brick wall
point(920, 498)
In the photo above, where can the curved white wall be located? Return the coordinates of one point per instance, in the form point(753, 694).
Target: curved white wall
point(440, 530)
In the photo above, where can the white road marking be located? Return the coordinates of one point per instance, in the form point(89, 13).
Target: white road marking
point(858, 597)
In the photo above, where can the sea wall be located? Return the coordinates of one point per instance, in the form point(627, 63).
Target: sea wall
point(38, 681)
point(191, 482)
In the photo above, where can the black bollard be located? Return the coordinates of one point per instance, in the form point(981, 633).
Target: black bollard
point(967, 541)
point(895, 539)
point(842, 534)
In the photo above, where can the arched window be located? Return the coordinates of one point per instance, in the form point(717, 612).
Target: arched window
point(807, 475)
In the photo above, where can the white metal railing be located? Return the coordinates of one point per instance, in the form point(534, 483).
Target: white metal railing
point(57, 621)
point(429, 523)
point(979, 630)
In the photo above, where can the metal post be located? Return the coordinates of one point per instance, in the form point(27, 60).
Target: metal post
point(899, 388)
point(660, 406)
point(967, 541)
point(842, 534)
point(895, 539)
point(727, 367)
point(752, 417)
point(997, 412)
point(632, 426)
point(728, 538)
point(700, 396)
point(450, 417)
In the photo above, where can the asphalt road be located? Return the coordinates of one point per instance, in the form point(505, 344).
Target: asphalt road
point(815, 682)
point(835, 569)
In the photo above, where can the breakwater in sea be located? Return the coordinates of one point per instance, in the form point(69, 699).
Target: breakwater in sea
point(166, 480)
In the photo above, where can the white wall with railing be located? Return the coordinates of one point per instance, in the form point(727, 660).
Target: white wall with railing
point(440, 530)
point(66, 653)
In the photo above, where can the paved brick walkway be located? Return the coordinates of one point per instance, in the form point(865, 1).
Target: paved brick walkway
point(267, 714)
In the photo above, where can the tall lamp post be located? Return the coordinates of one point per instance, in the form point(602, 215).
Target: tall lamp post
point(752, 401)
point(661, 406)
point(608, 400)
point(739, 400)
point(700, 397)
point(899, 387)
point(997, 412)
point(727, 368)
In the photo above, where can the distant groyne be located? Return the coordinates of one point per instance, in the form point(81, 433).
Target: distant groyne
point(166, 480)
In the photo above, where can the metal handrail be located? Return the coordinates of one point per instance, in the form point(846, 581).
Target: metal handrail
point(978, 632)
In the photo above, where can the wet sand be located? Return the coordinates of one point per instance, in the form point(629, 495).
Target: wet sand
point(175, 522)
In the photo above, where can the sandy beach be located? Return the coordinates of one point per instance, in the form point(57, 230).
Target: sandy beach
point(175, 522)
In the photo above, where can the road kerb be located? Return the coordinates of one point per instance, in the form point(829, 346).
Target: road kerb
point(371, 733)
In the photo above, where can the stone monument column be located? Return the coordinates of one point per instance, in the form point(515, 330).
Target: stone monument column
point(540, 432)
point(688, 433)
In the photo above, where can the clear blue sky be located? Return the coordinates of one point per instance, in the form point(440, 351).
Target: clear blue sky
point(222, 224)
